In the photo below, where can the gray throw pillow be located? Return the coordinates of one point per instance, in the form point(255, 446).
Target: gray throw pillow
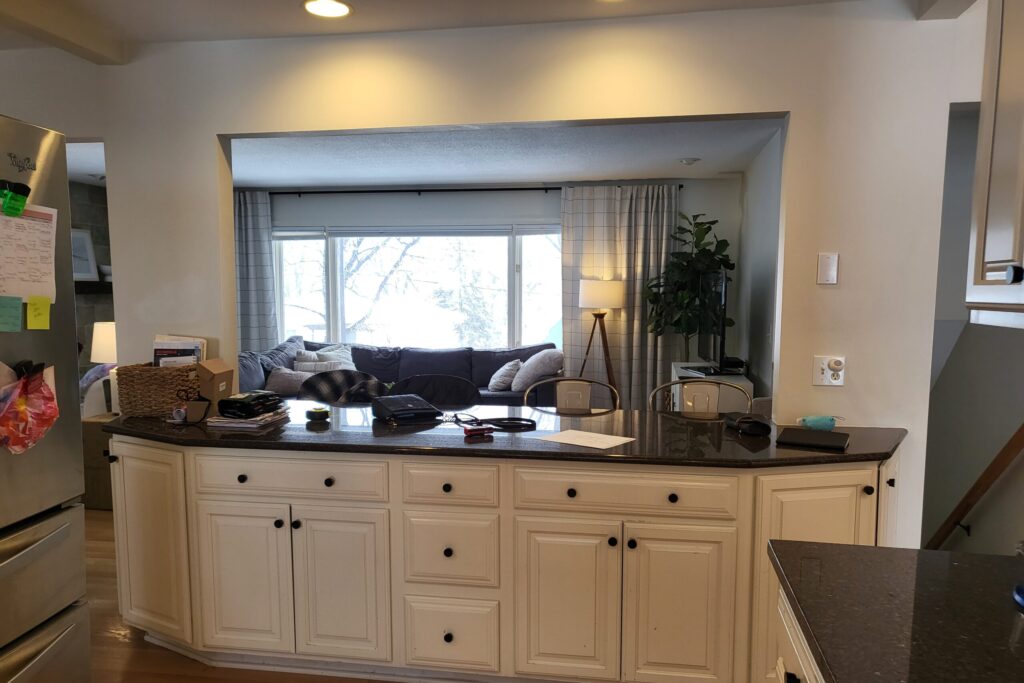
point(286, 382)
point(329, 358)
point(536, 367)
point(502, 379)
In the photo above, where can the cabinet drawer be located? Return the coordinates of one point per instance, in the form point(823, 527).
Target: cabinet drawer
point(450, 484)
point(453, 548)
point(453, 633)
point(685, 496)
point(317, 478)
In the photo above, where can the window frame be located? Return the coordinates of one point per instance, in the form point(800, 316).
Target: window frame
point(332, 237)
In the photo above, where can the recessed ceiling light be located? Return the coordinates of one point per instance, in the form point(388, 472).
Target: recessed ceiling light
point(331, 9)
point(689, 161)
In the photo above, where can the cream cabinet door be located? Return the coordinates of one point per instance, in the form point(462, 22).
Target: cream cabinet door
point(245, 576)
point(679, 596)
point(827, 507)
point(148, 486)
point(568, 597)
point(342, 580)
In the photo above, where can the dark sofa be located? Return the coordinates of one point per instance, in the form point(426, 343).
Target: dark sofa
point(392, 363)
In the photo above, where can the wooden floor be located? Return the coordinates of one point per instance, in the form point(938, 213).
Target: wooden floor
point(120, 655)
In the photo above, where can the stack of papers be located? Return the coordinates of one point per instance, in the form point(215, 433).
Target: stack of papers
point(172, 351)
point(575, 437)
point(265, 421)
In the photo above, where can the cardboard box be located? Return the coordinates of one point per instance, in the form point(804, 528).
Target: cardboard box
point(215, 381)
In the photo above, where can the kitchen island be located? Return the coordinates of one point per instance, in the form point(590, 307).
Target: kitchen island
point(364, 550)
point(850, 614)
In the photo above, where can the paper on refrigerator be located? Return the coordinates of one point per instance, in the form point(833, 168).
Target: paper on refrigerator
point(27, 245)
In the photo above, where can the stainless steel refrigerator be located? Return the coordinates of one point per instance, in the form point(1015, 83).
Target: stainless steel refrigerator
point(44, 623)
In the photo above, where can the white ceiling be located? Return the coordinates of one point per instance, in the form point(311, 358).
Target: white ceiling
point(86, 163)
point(500, 155)
point(148, 21)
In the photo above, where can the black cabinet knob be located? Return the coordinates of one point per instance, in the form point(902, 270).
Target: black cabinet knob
point(278, 523)
point(449, 637)
point(1014, 275)
point(110, 458)
point(571, 493)
point(448, 552)
point(446, 487)
point(297, 524)
point(891, 483)
point(673, 498)
point(242, 478)
point(613, 541)
point(870, 490)
point(631, 544)
point(329, 482)
point(792, 678)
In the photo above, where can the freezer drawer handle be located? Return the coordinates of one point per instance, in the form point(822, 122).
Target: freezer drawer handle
point(24, 556)
point(42, 659)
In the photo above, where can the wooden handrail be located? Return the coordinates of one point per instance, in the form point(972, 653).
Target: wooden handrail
point(1006, 457)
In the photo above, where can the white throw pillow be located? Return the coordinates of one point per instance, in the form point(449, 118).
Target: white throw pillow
point(336, 357)
point(286, 382)
point(540, 365)
point(502, 379)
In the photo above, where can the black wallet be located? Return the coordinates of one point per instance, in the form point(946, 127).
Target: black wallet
point(404, 409)
point(813, 438)
point(249, 404)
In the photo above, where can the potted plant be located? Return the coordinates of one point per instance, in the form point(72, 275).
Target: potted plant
point(676, 301)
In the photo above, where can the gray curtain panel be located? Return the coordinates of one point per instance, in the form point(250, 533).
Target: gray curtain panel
point(254, 264)
point(617, 233)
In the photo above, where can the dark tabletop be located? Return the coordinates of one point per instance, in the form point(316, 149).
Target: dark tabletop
point(660, 438)
point(905, 616)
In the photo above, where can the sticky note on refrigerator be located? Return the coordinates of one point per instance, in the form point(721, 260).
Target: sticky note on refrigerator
point(38, 313)
point(10, 314)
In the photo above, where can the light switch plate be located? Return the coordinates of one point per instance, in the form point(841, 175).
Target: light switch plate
point(829, 371)
point(828, 268)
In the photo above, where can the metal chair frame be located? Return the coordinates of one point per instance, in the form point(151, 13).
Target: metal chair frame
point(616, 402)
point(652, 399)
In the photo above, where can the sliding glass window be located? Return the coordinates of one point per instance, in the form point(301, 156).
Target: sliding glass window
point(479, 286)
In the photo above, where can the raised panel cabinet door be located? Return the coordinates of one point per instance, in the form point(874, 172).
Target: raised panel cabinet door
point(679, 596)
point(151, 542)
point(342, 582)
point(568, 597)
point(827, 507)
point(245, 576)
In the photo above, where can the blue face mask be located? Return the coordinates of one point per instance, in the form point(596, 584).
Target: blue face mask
point(821, 423)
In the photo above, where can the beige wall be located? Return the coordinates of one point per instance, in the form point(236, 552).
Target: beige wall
point(868, 88)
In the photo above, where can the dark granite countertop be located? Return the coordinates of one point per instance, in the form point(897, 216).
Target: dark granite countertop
point(905, 616)
point(660, 438)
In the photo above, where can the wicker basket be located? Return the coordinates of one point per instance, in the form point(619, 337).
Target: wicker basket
point(148, 391)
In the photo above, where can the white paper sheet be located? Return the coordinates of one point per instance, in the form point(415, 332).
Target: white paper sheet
point(27, 253)
point(574, 437)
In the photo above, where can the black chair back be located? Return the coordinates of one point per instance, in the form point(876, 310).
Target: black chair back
point(443, 391)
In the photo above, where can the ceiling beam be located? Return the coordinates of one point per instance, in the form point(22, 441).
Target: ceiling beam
point(59, 24)
point(942, 9)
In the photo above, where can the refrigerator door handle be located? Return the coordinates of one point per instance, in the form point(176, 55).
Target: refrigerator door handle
point(41, 659)
point(24, 556)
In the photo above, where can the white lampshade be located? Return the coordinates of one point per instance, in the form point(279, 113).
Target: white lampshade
point(104, 343)
point(602, 293)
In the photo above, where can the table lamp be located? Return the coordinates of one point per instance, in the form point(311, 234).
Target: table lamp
point(104, 350)
point(601, 295)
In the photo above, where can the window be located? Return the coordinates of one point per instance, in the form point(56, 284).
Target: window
point(484, 286)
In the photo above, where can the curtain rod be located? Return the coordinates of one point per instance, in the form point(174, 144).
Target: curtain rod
point(299, 193)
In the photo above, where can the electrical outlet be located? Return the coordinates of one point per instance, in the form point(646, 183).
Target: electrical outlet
point(829, 371)
point(828, 268)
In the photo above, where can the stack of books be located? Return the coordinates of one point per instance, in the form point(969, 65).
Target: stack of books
point(260, 423)
point(172, 351)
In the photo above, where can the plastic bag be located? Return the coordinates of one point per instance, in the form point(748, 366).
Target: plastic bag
point(28, 408)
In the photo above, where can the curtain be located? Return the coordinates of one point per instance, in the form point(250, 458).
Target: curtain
point(617, 233)
point(254, 265)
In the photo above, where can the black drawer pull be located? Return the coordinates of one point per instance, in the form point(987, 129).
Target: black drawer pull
point(673, 498)
point(448, 552)
point(110, 458)
point(571, 493)
point(631, 544)
point(446, 487)
point(613, 541)
point(891, 482)
point(870, 490)
point(449, 637)
point(278, 523)
point(242, 478)
point(792, 678)
point(297, 524)
point(329, 482)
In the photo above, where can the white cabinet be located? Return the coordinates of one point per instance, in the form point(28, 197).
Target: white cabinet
point(451, 633)
point(245, 576)
point(342, 605)
point(568, 597)
point(680, 591)
point(827, 507)
point(148, 486)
